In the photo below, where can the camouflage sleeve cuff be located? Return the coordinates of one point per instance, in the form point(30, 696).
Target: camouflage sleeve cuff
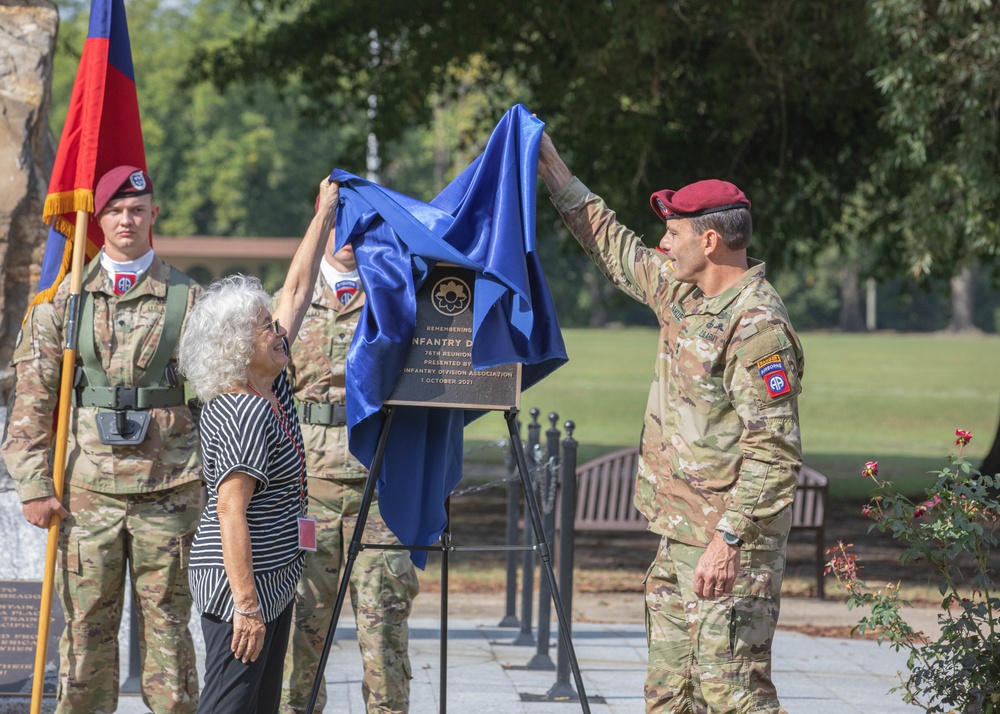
point(35, 488)
point(570, 196)
point(740, 525)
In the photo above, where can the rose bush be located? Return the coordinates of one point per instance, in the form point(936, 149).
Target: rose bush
point(953, 530)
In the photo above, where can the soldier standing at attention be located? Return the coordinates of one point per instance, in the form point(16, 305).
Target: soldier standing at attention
point(383, 582)
point(133, 490)
point(721, 447)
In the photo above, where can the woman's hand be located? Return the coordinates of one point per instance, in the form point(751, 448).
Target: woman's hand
point(329, 196)
point(296, 294)
point(248, 637)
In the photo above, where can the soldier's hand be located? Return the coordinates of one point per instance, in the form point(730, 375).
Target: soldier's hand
point(551, 168)
point(39, 511)
point(248, 637)
point(715, 574)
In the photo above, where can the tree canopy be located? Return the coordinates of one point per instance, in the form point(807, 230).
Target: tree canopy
point(936, 182)
point(639, 94)
point(239, 162)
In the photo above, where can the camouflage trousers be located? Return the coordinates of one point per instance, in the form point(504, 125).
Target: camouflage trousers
point(150, 534)
point(711, 656)
point(383, 585)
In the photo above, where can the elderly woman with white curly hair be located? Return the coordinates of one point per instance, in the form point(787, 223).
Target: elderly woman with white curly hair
point(248, 551)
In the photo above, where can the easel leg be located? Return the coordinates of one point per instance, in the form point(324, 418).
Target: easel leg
point(443, 653)
point(545, 557)
point(352, 555)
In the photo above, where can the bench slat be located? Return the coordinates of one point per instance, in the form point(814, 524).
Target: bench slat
point(606, 486)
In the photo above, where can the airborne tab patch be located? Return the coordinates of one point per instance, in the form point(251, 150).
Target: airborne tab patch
point(772, 371)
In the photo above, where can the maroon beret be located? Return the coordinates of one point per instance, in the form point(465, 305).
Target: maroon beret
point(697, 199)
point(119, 182)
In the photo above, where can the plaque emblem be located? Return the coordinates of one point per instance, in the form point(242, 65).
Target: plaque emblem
point(451, 296)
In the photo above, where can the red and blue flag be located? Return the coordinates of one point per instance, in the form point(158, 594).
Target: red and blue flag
point(102, 131)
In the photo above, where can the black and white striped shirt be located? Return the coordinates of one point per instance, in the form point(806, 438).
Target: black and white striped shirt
point(241, 432)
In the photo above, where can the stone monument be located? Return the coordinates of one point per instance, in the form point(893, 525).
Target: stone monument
point(27, 151)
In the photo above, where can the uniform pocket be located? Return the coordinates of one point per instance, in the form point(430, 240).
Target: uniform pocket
point(71, 557)
point(751, 628)
point(753, 614)
point(402, 580)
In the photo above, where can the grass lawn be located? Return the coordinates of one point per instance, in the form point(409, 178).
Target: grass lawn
point(894, 398)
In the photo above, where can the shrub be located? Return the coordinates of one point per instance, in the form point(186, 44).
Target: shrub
point(953, 530)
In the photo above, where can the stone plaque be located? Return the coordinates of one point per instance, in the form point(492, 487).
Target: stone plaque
point(438, 370)
point(19, 604)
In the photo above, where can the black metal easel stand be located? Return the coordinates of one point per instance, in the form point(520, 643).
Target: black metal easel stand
point(446, 548)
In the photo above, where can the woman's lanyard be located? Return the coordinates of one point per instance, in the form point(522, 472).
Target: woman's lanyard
point(283, 422)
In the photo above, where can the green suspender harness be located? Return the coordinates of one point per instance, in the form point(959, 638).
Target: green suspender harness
point(128, 421)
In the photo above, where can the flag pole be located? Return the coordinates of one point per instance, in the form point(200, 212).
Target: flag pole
point(59, 457)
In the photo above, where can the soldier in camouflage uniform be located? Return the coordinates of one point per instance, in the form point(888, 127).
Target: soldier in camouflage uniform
point(383, 582)
point(721, 447)
point(131, 505)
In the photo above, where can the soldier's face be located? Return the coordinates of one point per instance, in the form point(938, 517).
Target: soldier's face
point(686, 248)
point(342, 260)
point(126, 223)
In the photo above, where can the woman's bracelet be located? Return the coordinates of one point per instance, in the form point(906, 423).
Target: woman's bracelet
point(246, 613)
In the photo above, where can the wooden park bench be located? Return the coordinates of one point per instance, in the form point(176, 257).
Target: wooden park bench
point(606, 484)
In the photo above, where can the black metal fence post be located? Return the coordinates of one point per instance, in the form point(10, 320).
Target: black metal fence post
point(563, 690)
point(513, 514)
point(525, 638)
point(549, 483)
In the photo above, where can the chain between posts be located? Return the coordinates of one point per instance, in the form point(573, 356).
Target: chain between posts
point(540, 467)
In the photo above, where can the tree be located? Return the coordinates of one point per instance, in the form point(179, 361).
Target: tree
point(869, 124)
point(771, 94)
point(938, 177)
point(233, 163)
point(938, 70)
point(963, 291)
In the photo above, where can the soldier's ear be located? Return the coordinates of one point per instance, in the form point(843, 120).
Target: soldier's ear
point(712, 241)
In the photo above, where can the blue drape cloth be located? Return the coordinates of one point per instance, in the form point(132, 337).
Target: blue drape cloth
point(483, 220)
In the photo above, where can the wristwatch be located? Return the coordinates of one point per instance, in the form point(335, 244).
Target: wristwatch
point(731, 539)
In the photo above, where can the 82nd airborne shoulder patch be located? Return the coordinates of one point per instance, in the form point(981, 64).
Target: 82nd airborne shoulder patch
point(772, 371)
point(345, 290)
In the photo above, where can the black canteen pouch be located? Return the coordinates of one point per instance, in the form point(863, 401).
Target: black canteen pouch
point(122, 427)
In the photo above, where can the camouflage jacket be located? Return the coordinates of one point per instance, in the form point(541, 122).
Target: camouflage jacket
point(127, 329)
point(316, 370)
point(721, 447)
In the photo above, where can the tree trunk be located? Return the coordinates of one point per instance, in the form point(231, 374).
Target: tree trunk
point(991, 464)
point(963, 291)
point(594, 284)
point(851, 319)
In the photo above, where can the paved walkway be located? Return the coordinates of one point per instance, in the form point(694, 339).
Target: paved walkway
point(486, 672)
